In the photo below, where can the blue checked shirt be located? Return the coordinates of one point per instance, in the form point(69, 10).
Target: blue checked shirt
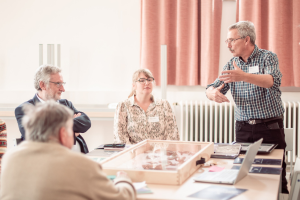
point(252, 101)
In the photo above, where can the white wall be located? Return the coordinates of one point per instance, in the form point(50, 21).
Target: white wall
point(100, 43)
point(100, 51)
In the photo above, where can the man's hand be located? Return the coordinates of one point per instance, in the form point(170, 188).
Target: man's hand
point(216, 95)
point(235, 75)
point(77, 115)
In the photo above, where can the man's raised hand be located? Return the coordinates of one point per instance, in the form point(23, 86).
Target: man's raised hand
point(235, 75)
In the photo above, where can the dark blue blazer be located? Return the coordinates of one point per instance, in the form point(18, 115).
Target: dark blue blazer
point(81, 123)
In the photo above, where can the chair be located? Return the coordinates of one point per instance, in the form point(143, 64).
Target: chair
point(289, 140)
point(3, 139)
point(112, 105)
point(17, 141)
point(76, 147)
point(295, 183)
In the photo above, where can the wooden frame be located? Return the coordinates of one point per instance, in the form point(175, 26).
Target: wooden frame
point(175, 177)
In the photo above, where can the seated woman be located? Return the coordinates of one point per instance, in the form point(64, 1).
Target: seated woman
point(141, 116)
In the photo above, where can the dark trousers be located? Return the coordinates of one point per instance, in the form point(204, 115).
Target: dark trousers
point(271, 132)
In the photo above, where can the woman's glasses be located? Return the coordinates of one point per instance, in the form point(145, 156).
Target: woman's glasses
point(143, 80)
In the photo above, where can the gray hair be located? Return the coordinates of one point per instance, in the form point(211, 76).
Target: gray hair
point(43, 74)
point(245, 28)
point(136, 75)
point(43, 121)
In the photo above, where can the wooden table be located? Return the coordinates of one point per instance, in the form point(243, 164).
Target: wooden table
point(259, 186)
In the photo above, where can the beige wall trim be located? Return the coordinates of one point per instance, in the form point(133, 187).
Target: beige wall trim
point(89, 114)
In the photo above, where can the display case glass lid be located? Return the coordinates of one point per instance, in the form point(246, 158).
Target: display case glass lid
point(157, 155)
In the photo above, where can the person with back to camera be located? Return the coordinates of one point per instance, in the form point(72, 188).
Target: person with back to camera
point(141, 116)
point(43, 166)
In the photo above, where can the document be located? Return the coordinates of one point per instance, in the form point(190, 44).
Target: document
point(142, 188)
point(262, 170)
point(263, 149)
point(260, 161)
point(217, 193)
point(230, 151)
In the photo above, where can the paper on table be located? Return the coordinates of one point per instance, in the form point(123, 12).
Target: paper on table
point(215, 169)
point(217, 192)
point(96, 159)
point(141, 188)
point(139, 185)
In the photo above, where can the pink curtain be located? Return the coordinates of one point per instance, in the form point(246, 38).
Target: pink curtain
point(191, 31)
point(277, 24)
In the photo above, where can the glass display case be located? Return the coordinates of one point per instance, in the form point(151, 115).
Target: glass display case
point(159, 161)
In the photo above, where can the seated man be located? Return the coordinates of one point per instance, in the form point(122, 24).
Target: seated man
point(49, 84)
point(43, 167)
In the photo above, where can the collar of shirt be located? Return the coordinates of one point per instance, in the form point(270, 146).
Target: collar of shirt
point(253, 54)
point(132, 102)
point(41, 100)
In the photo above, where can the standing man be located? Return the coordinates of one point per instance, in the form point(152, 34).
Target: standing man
point(49, 84)
point(253, 76)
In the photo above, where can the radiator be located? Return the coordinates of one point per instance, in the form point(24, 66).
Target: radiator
point(207, 121)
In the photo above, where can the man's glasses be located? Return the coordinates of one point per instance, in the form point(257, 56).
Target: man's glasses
point(232, 41)
point(143, 80)
point(58, 84)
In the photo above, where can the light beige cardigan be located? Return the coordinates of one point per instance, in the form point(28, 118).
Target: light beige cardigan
point(35, 171)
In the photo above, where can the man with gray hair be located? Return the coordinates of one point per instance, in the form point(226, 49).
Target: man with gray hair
point(43, 167)
point(254, 78)
point(48, 81)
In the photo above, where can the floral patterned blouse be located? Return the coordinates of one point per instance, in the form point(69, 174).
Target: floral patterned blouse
point(132, 124)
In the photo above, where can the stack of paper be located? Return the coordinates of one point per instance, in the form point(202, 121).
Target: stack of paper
point(141, 188)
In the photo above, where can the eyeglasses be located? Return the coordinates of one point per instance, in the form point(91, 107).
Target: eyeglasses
point(232, 41)
point(143, 80)
point(58, 84)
